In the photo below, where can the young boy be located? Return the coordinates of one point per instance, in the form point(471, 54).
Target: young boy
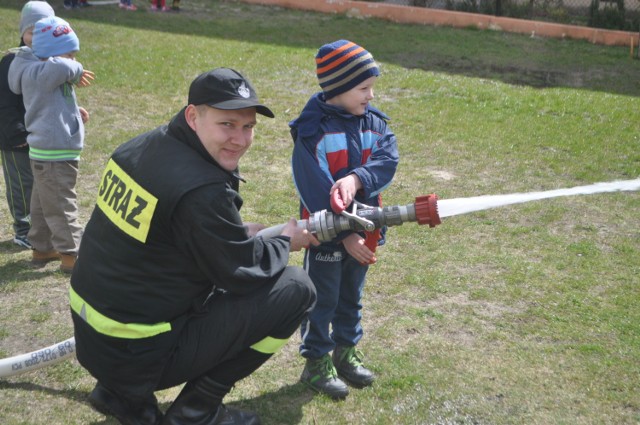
point(13, 134)
point(45, 75)
point(341, 144)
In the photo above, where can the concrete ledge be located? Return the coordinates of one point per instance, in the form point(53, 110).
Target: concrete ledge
point(421, 15)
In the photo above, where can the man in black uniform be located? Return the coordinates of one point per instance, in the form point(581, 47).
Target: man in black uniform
point(170, 285)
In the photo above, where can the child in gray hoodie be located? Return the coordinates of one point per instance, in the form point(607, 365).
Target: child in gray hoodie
point(14, 149)
point(45, 76)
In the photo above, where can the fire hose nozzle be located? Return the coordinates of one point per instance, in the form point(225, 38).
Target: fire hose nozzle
point(426, 210)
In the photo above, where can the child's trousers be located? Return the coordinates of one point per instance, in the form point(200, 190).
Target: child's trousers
point(16, 168)
point(54, 207)
point(335, 320)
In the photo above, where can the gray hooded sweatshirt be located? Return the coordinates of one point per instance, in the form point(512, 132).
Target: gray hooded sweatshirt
point(52, 118)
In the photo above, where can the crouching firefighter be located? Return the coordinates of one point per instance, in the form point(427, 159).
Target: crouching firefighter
point(170, 285)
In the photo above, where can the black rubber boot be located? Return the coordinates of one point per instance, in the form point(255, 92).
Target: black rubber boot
point(200, 403)
point(348, 363)
point(125, 410)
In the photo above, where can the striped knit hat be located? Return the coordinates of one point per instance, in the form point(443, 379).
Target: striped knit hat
point(342, 65)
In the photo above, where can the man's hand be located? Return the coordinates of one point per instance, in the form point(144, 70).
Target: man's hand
point(253, 228)
point(300, 238)
point(355, 246)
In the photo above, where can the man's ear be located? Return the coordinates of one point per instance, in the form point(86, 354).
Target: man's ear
point(190, 115)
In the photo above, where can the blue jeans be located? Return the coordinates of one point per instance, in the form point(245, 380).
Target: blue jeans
point(335, 320)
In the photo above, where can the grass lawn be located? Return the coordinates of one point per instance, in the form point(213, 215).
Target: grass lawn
point(527, 314)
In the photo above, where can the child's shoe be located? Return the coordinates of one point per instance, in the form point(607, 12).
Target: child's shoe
point(348, 363)
point(321, 376)
point(68, 261)
point(165, 9)
point(40, 258)
point(22, 241)
point(132, 7)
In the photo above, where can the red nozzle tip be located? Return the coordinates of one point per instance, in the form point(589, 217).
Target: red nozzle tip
point(427, 210)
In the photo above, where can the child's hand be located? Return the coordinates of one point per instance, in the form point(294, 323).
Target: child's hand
point(83, 114)
point(355, 246)
point(86, 78)
point(347, 186)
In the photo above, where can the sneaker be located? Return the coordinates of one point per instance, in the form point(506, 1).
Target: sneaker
point(22, 241)
point(122, 6)
point(321, 376)
point(165, 9)
point(131, 7)
point(348, 364)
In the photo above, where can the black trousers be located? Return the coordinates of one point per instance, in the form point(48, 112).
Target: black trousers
point(16, 167)
point(218, 343)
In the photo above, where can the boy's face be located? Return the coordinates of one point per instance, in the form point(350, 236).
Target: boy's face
point(355, 101)
point(71, 56)
point(225, 134)
point(27, 37)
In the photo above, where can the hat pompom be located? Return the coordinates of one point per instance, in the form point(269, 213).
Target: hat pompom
point(53, 36)
point(342, 65)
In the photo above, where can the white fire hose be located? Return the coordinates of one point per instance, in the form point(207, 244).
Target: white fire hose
point(37, 359)
point(426, 210)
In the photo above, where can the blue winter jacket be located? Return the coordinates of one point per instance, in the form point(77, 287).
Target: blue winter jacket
point(330, 143)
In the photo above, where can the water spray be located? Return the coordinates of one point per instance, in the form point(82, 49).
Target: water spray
point(326, 225)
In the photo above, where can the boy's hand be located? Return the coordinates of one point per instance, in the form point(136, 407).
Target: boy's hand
point(355, 246)
point(86, 78)
point(83, 114)
point(347, 187)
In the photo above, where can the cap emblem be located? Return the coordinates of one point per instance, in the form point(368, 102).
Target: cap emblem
point(243, 91)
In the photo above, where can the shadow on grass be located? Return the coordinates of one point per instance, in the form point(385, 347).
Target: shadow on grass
point(21, 270)
point(283, 407)
point(511, 58)
point(71, 394)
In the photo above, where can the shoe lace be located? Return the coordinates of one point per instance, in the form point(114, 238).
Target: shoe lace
point(326, 368)
point(353, 356)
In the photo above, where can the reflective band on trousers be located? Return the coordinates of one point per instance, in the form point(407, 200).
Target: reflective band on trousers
point(269, 345)
point(110, 327)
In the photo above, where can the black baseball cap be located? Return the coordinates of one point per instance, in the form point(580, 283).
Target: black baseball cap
point(225, 88)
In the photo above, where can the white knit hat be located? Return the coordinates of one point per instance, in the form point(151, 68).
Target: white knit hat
point(32, 12)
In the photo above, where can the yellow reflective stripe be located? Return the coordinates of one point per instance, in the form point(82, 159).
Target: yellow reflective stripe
point(269, 345)
point(110, 327)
